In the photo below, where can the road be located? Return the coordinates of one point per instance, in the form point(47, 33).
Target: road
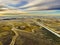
point(14, 37)
point(49, 29)
point(23, 33)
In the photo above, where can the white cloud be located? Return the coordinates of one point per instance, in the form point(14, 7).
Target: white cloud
point(11, 1)
point(35, 2)
point(38, 8)
point(43, 5)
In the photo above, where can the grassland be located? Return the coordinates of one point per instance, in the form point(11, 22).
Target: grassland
point(24, 31)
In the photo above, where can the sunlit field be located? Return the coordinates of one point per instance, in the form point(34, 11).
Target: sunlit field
point(26, 31)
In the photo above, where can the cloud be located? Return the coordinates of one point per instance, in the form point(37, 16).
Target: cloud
point(36, 2)
point(32, 4)
point(42, 5)
point(11, 1)
point(38, 8)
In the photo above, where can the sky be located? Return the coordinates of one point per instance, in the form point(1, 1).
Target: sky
point(32, 5)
